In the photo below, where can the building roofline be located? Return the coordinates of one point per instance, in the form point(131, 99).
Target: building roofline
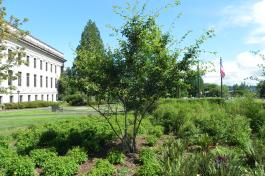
point(38, 44)
point(45, 44)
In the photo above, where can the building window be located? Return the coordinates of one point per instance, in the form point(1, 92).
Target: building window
point(41, 64)
point(35, 63)
point(56, 97)
point(52, 97)
point(28, 77)
point(47, 97)
point(46, 67)
point(10, 55)
point(51, 83)
point(19, 80)
point(36, 97)
point(20, 98)
point(51, 67)
point(56, 82)
point(41, 81)
point(47, 81)
point(42, 97)
point(10, 77)
point(11, 99)
point(27, 62)
point(35, 80)
point(55, 67)
point(1, 99)
point(29, 97)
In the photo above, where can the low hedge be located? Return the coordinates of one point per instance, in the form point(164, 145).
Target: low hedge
point(32, 104)
point(211, 100)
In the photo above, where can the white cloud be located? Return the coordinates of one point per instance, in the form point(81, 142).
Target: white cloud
point(248, 14)
point(237, 70)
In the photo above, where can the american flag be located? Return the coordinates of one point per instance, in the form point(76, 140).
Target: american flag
point(222, 71)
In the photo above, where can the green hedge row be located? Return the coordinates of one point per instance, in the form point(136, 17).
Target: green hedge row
point(217, 100)
point(32, 104)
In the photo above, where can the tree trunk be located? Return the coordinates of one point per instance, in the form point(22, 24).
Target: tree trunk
point(126, 142)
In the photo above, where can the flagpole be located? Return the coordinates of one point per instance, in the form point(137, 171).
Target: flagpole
point(221, 78)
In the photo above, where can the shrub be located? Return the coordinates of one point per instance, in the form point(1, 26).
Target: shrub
point(150, 165)
point(60, 166)
point(40, 156)
point(32, 104)
point(78, 155)
point(250, 108)
point(156, 130)
point(147, 155)
point(116, 157)
point(102, 168)
point(4, 141)
point(75, 100)
point(150, 169)
point(21, 166)
point(262, 132)
point(90, 134)
point(191, 120)
point(6, 157)
point(151, 140)
point(226, 129)
point(124, 171)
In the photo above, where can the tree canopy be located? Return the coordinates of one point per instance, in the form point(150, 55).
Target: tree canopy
point(137, 73)
point(9, 31)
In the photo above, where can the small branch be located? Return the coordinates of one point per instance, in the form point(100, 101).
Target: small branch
point(103, 114)
point(143, 114)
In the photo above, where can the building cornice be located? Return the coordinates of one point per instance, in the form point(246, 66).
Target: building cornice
point(38, 44)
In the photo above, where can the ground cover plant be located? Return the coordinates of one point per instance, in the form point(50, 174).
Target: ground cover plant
point(181, 137)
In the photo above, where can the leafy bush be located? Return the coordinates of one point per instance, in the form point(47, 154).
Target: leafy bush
point(116, 157)
point(157, 131)
point(225, 129)
point(261, 133)
point(40, 156)
point(4, 141)
point(151, 140)
point(21, 166)
point(102, 168)
point(147, 155)
point(60, 166)
point(6, 157)
point(75, 100)
point(32, 104)
point(150, 165)
point(78, 155)
point(89, 133)
point(191, 120)
point(250, 108)
point(124, 171)
point(150, 169)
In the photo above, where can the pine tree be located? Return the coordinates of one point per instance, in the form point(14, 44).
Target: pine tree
point(90, 39)
point(92, 46)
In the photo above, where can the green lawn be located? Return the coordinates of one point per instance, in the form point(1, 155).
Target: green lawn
point(12, 120)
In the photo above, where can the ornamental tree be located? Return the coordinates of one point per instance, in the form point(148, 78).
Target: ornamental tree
point(136, 74)
point(9, 31)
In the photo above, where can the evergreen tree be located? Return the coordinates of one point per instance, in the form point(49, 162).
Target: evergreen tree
point(92, 45)
point(90, 38)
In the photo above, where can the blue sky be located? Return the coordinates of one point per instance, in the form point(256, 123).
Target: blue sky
point(239, 27)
